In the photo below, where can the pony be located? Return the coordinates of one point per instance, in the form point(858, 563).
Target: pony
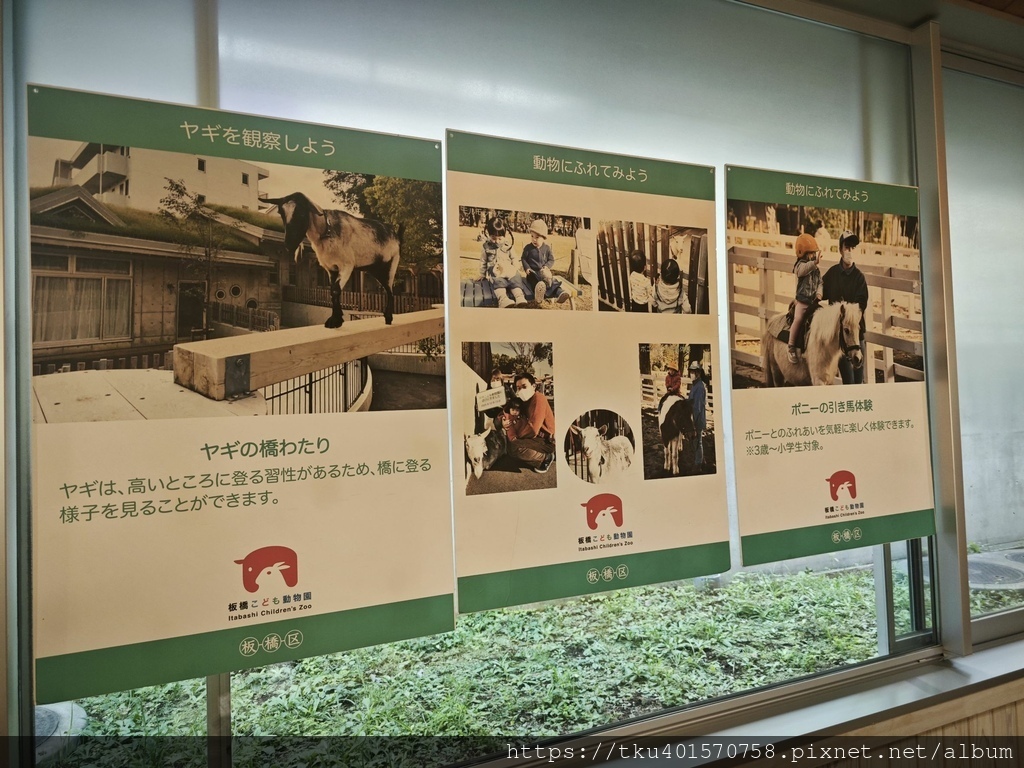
point(605, 457)
point(675, 420)
point(834, 330)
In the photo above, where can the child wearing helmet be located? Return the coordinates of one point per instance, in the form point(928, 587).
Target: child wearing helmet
point(808, 289)
point(537, 263)
point(668, 290)
point(640, 291)
point(845, 282)
point(673, 385)
point(497, 266)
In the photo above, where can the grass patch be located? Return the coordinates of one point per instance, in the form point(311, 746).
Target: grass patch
point(538, 672)
point(525, 673)
point(249, 216)
point(143, 225)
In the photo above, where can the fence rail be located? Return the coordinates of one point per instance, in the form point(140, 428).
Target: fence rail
point(755, 297)
point(331, 390)
point(616, 240)
point(244, 317)
point(152, 360)
point(367, 301)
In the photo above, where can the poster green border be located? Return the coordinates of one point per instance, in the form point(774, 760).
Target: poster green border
point(757, 185)
point(90, 673)
point(550, 582)
point(772, 547)
point(59, 113)
point(509, 158)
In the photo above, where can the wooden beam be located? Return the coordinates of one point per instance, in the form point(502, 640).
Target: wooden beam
point(209, 367)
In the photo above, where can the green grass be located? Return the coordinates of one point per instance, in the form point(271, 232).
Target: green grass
point(250, 216)
point(144, 225)
point(542, 671)
point(534, 672)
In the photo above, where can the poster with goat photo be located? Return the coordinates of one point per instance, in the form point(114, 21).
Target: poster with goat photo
point(238, 391)
point(566, 268)
point(827, 353)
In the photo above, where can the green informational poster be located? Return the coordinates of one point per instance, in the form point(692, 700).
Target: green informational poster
point(829, 419)
point(239, 424)
point(583, 324)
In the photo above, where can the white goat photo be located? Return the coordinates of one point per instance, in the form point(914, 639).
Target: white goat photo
point(599, 447)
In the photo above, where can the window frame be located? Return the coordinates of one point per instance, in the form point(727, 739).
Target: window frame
point(960, 634)
point(72, 272)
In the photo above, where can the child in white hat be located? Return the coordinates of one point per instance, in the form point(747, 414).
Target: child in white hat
point(537, 263)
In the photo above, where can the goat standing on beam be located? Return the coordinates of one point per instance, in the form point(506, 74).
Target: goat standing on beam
point(342, 243)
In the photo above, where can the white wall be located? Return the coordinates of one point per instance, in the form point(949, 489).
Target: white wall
point(123, 47)
point(985, 156)
point(703, 81)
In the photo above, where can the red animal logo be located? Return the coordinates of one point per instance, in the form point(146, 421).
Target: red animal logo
point(842, 480)
point(264, 565)
point(602, 506)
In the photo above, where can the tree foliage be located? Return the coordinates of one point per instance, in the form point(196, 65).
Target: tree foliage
point(525, 354)
point(408, 203)
point(201, 235)
point(349, 189)
point(201, 238)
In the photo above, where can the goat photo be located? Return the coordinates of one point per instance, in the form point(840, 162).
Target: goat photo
point(510, 408)
point(599, 446)
point(186, 248)
point(342, 243)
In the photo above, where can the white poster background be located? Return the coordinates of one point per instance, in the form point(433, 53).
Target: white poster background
point(360, 541)
point(596, 365)
point(785, 489)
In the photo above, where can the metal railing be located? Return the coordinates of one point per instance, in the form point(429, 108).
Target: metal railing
point(244, 317)
point(331, 390)
point(366, 301)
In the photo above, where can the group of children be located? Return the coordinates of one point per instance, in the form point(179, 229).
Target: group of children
point(666, 295)
point(498, 268)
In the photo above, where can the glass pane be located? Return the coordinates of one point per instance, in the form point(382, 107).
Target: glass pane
point(564, 667)
point(64, 44)
point(66, 309)
point(50, 263)
point(560, 668)
point(115, 266)
point(986, 196)
point(650, 84)
point(117, 317)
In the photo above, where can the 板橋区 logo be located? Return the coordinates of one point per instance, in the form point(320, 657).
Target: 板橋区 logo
point(843, 480)
point(602, 507)
point(268, 567)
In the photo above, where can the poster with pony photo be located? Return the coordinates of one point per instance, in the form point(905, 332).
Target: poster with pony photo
point(825, 311)
point(784, 254)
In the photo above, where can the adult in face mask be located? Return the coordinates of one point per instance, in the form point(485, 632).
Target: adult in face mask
point(844, 282)
point(534, 443)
